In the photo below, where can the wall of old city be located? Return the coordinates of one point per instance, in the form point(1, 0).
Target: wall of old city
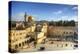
point(61, 31)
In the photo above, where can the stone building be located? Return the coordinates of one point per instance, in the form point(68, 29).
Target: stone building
point(20, 36)
point(26, 32)
point(41, 32)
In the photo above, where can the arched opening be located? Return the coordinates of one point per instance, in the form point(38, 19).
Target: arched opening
point(16, 46)
point(19, 44)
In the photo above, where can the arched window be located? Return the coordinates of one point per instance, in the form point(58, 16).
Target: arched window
point(16, 46)
point(70, 32)
point(66, 44)
point(19, 44)
point(25, 42)
point(66, 32)
point(20, 33)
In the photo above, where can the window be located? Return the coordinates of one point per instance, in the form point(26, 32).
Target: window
point(66, 32)
point(75, 45)
point(25, 42)
point(16, 39)
point(20, 33)
point(9, 34)
point(19, 44)
point(70, 32)
point(13, 34)
point(16, 46)
point(66, 44)
point(26, 36)
point(16, 34)
point(52, 42)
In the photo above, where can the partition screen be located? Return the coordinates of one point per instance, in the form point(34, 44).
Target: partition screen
point(42, 27)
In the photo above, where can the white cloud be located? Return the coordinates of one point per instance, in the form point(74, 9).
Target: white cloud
point(74, 8)
point(58, 12)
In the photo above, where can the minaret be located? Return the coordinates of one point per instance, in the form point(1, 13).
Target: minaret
point(25, 16)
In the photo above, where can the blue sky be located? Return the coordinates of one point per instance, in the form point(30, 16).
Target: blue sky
point(43, 11)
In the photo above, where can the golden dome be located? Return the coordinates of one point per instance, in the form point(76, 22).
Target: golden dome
point(30, 18)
